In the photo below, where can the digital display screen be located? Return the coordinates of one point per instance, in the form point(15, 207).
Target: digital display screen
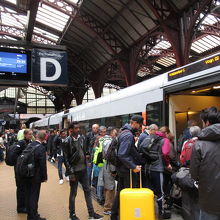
point(15, 64)
point(195, 67)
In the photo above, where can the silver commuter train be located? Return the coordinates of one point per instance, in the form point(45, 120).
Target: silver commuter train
point(171, 98)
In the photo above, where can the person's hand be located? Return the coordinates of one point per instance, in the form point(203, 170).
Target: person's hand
point(137, 169)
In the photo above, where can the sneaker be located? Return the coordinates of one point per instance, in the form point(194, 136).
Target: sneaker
point(61, 181)
point(67, 178)
point(107, 212)
point(96, 216)
point(52, 160)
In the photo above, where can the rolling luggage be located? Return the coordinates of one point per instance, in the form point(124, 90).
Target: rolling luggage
point(137, 203)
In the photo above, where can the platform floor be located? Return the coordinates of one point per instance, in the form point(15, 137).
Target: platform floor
point(53, 203)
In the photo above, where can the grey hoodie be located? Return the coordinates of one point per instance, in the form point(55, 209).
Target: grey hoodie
point(205, 167)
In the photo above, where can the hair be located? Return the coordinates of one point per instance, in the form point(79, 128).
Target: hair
point(191, 122)
point(41, 135)
point(210, 114)
point(153, 127)
point(165, 129)
point(26, 131)
point(23, 126)
point(62, 131)
point(73, 124)
point(35, 132)
point(110, 130)
point(194, 131)
point(171, 137)
point(102, 128)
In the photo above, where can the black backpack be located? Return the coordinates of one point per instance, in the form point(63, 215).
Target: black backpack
point(150, 148)
point(112, 152)
point(25, 166)
point(12, 153)
point(111, 155)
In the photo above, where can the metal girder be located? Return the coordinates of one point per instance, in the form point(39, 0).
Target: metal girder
point(101, 33)
point(192, 24)
point(28, 45)
point(12, 31)
point(13, 7)
point(31, 19)
point(211, 30)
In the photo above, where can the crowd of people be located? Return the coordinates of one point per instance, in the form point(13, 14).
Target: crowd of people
point(184, 174)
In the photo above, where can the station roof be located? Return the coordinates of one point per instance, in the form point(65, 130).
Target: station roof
point(99, 32)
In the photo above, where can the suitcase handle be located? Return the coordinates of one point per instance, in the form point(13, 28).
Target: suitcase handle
point(131, 178)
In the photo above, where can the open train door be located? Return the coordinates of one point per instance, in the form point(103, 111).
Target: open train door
point(65, 120)
point(190, 89)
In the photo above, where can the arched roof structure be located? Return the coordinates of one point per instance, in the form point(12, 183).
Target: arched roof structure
point(119, 42)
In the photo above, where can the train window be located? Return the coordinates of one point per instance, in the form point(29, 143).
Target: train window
point(154, 113)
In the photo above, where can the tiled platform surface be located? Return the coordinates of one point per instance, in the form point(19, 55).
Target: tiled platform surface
point(53, 203)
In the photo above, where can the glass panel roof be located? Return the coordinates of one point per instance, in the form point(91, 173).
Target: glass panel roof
point(11, 1)
point(12, 18)
point(205, 43)
point(162, 45)
point(46, 34)
point(52, 17)
point(166, 61)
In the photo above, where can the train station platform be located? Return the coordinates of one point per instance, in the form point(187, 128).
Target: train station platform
point(53, 202)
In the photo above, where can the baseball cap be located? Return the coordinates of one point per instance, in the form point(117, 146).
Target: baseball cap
point(138, 118)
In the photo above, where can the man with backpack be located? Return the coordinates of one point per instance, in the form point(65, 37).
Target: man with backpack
point(188, 146)
point(155, 149)
point(205, 165)
point(129, 158)
point(31, 167)
point(12, 153)
point(74, 150)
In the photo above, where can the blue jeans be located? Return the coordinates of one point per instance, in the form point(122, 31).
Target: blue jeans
point(100, 193)
point(60, 163)
point(207, 216)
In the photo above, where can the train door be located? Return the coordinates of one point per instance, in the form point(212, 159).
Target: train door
point(186, 105)
point(65, 122)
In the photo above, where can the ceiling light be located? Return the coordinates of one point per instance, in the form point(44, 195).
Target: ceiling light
point(216, 87)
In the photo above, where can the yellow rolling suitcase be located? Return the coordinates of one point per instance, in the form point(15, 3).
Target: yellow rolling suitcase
point(137, 203)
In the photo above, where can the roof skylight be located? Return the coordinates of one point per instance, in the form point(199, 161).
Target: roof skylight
point(46, 34)
point(52, 17)
point(12, 18)
point(205, 43)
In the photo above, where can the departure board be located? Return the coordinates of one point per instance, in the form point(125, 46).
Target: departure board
point(195, 67)
point(15, 64)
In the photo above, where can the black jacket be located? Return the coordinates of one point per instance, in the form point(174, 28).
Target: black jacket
point(58, 145)
point(205, 167)
point(40, 163)
point(127, 151)
point(69, 150)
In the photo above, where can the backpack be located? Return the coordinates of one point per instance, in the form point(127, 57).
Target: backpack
point(25, 166)
point(99, 159)
point(150, 148)
point(12, 153)
point(187, 152)
point(112, 152)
